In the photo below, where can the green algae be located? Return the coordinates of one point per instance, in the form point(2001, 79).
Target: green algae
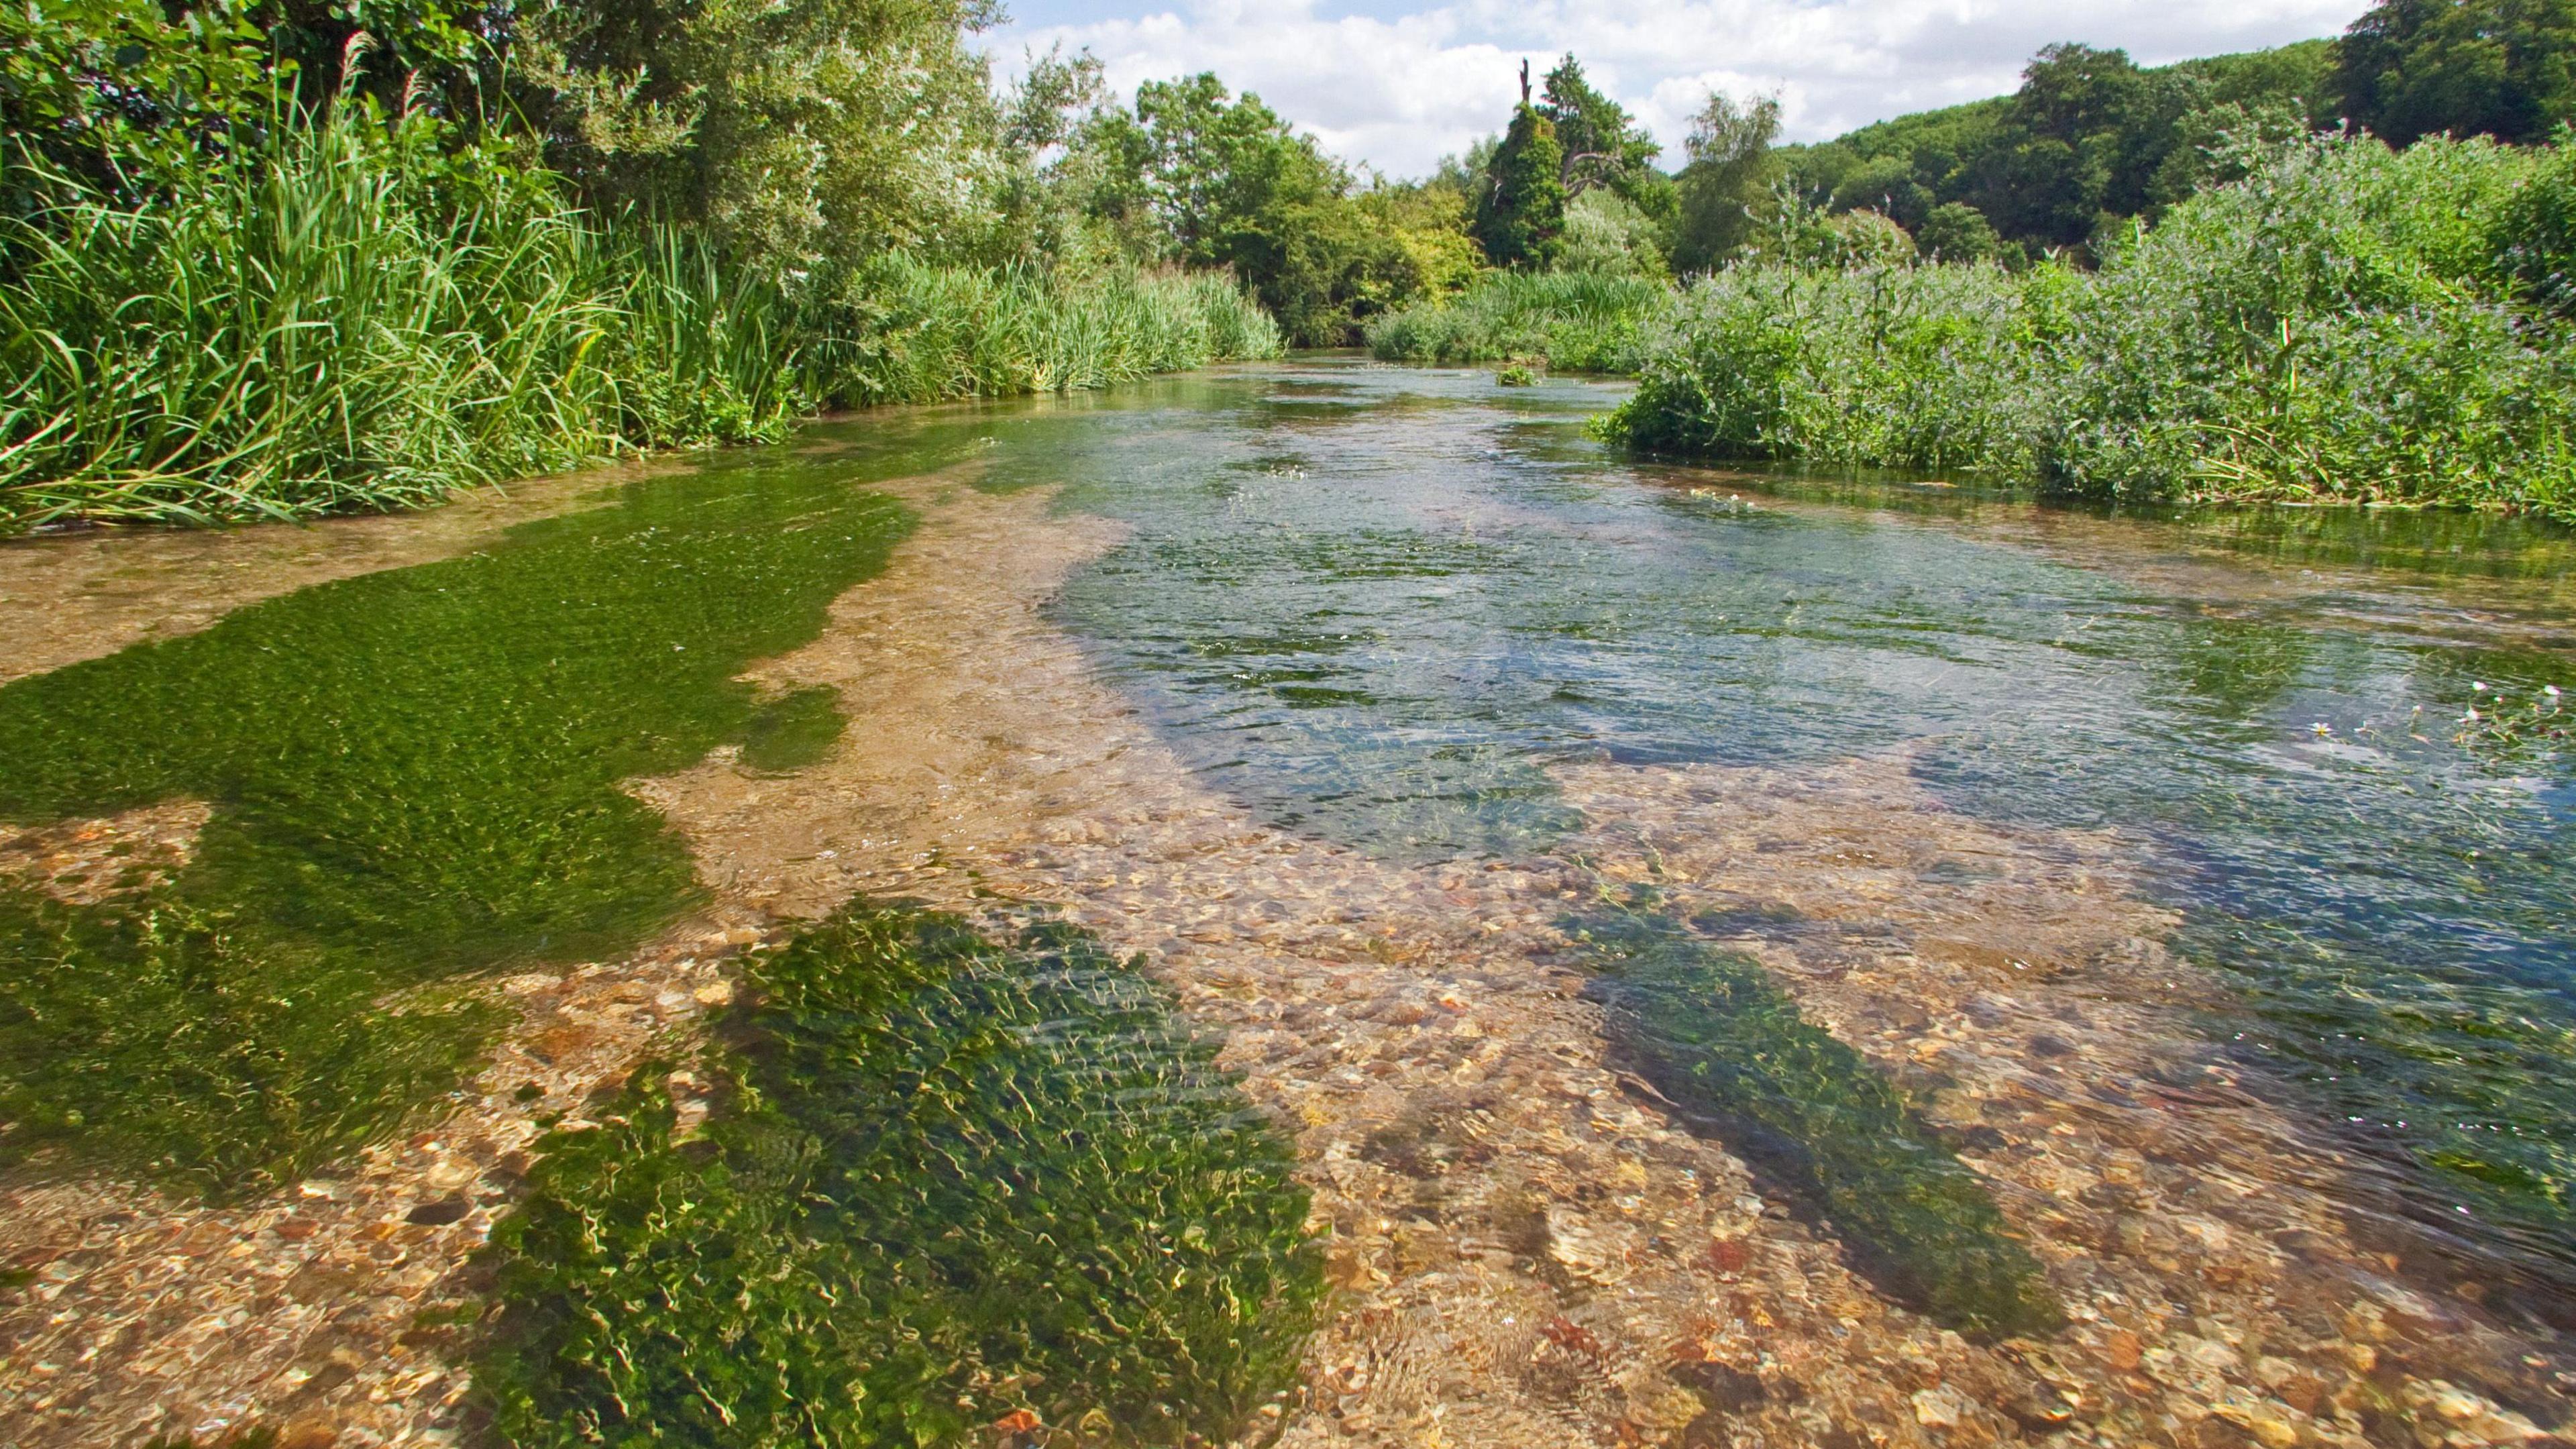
point(1727, 1049)
point(414, 776)
point(794, 730)
point(947, 1182)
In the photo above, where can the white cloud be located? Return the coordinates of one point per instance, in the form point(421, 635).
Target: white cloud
point(1399, 91)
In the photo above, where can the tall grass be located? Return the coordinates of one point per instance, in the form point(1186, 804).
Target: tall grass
point(1582, 321)
point(350, 314)
point(903, 330)
point(295, 330)
point(2347, 322)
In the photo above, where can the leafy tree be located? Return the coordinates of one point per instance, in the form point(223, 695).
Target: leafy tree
point(2088, 136)
point(1731, 170)
point(1606, 235)
point(1428, 220)
point(123, 94)
point(2503, 68)
point(791, 131)
point(1520, 219)
point(1602, 144)
point(1198, 176)
point(1957, 232)
point(2085, 135)
point(1885, 184)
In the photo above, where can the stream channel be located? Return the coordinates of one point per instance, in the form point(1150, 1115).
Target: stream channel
point(1622, 953)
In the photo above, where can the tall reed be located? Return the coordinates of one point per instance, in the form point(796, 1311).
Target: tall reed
point(296, 328)
point(354, 314)
point(1583, 321)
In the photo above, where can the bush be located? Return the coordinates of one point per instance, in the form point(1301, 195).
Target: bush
point(2344, 322)
point(1578, 321)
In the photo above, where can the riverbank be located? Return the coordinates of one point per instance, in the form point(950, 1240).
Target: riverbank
point(2344, 324)
point(217, 354)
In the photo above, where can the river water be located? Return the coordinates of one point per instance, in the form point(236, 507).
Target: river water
point(2184, 896)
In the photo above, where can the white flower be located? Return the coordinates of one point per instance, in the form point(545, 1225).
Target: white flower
point(2321, 727)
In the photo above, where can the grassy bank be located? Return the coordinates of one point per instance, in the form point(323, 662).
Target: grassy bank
point(2346, 323)
point(349, 316)
point(952, 1187)
point(1573, 320)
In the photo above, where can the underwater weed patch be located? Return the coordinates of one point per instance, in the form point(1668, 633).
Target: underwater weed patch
point(1729, 1051)
point(947, 1181)
point(413, 775)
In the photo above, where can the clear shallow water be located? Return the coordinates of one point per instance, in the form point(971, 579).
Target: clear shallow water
point(1377, 604)
point(1422, 616)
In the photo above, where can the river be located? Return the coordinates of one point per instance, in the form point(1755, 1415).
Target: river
point(1740, 958)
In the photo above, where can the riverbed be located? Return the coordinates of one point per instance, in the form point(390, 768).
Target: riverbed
point(2185, 894)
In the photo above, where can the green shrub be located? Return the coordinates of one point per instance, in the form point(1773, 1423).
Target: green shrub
point(947, 1181)
point(1576, 321)
point(2344, 322)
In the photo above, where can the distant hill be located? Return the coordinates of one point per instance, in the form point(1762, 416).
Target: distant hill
point(2089, 136)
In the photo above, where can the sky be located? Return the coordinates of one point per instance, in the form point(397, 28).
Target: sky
point(1394, 86)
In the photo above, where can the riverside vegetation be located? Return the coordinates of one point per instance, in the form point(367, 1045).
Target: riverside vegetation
point(2240, 303)
point(272, 265)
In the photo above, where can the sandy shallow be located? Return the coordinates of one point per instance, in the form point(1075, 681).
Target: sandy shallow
point(1526, 1250)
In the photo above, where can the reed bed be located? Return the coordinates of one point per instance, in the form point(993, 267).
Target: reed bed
point(1579, 321)
point(349, 316)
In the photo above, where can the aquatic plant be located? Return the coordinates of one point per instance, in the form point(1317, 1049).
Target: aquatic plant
point(950, 1186)
point(1728, 1051)
point(414, 777)
point(1574, 321)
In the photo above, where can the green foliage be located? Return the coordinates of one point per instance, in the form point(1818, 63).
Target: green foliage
point(904, 330)
point(946, 1181)
point(414, 775)
point(1606, 233)
point(2502, 68)
point(104, 87)
point(355, 315)
point(1576, 321)
point(2089, 137)
point(1520, 217)
point(2341, 323)
point(1206, 179)
point(2534, 235)
point(1728, 1049)
point(791, 133)
point(343, 316)
point(1428, 221)
point(1731, 170)
point(1796, 234)
point(1600, 144)
point(1957, 232)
